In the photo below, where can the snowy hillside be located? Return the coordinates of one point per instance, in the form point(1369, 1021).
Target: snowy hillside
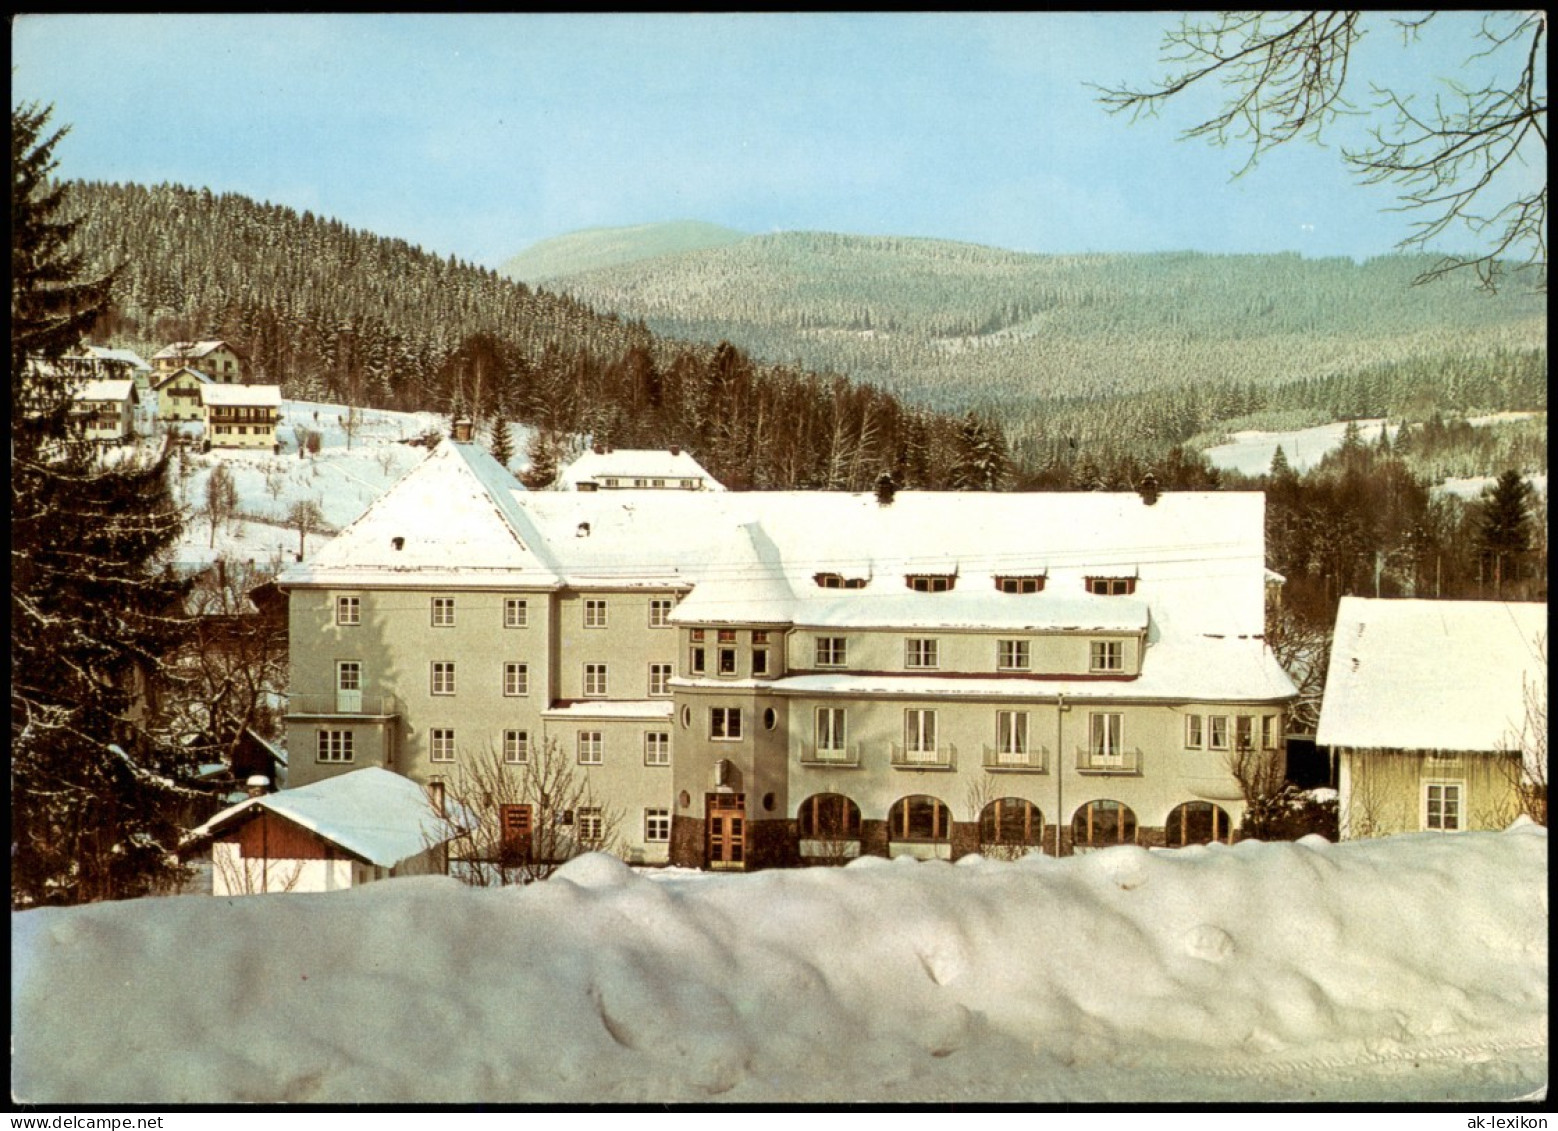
point(1409, 968)
point(347, 474)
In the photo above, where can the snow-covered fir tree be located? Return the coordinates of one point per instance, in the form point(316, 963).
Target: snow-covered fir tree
point(94, 788)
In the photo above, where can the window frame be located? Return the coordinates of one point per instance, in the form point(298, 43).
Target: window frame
point(657, 826)
point(915, 720)
point(660, 676)
point(595, 680)
point(726, 662)
point(921, 653)
point(590, 747)
point(440, 745)
point(931, 582)
point(654, 739)
point(589, 824)
point(698, 659)
point(1013, 725)
point(334, 747)
point(1014, 655)
point(348, 612)
point(1447, 786)
point(1105, 736)
point(832, 651)
point(836, 729)
point(759, 661)
point(1019, 585)
point(516, 679)
point(442, 612)
point(1111, 586)
point(720, 724)
point(595, 614)
point(660, 610)
point(1214, 723)
point(1268, 732)
point(516, 747)
point(516, 612)
point(440, 677)
point(1106, 655)
point(1195, 732)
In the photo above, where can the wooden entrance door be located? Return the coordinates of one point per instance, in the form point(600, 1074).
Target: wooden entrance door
point(727, 831)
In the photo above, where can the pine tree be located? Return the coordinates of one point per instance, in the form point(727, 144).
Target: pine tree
point(94, 788)
point(502, 443)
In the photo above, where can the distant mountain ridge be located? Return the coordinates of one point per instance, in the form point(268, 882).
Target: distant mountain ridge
point(604, 248)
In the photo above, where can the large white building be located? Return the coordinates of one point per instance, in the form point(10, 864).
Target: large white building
point(762, 678)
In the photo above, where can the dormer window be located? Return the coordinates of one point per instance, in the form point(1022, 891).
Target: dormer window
point(838, 581)
point(1025, 584)
point(1111, 586)
point(931, 582)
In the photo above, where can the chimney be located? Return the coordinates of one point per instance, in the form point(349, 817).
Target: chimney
point(257, 786)
point(676, 449)
point(1148, 488)
point(398, 543)
point(885, 489)
point(598, 449)
point(462, 430)
point(584, 530)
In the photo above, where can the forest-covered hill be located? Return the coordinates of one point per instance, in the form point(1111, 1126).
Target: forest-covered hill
point(596, 248)
point(1013, 335)
point(340, 315)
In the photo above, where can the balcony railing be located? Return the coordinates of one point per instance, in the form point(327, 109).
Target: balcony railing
point(1031, 761)
point(1093, 760)
point(943, 757)
point(848, 757)
point(344, 704)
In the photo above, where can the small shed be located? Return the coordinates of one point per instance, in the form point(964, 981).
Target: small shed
point(347, 830)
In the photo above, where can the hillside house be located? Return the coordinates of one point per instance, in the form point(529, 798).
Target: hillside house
point(178, 394)
point(764, 678)
point(335, 834)
point(240, 416)
point(126, 364)
point(609, 469)
point(105, 411)
point(1425, 703)
point(217, 359)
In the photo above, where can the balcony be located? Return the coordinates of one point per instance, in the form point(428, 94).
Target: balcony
point(1120, 762)
point(943, 757)
point(344, 705)
point(1033, 761)
point(847, 758)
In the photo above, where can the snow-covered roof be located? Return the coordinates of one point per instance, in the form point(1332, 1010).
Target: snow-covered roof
point(106, 391)
point(177, 373)
point(263, 395)
point(753, 557)
point(375, 814)
point(192, 349)
point(128, 357)
point(635, 463)
point(1432, 675)
point(455, 516)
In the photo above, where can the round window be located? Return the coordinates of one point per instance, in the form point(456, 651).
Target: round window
point(768, 802)
point(686, 717)
point(685, 799)
point(770, 719)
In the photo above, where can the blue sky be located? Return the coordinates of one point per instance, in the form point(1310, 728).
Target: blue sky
point(478, 135)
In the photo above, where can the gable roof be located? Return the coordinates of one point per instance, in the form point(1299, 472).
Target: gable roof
point(635, 463)
point(125, 357)
point(1431, 675)
point(262, 395)
point(168, 378)
point(118, 390)
point(375, 814)
point(191, 349)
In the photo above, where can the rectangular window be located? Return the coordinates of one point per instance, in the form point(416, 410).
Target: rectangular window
point(443, 677)
point(516, 747)
point(831, 652)
point(660, 612)
point(1020, 584)
point(443, 612)
point(516, 679)
point(348, 675)
point(348, 610)
point(1244, 732)
point(1106, 656)
point(1103, 740)
point(1193, 732)
point(760, 661)
point(657, 748)
point(727, 636)
point(1012, 655)
point(1217, 732)
point(919, 734)
point(1111, 586)
point(725, 723)
point(696, 634)
point(516, 612)
point(919, 653)
point(591, 827)
point(441, 744)
point(595, 680)
point(831, 733)
point(1011, 735)
point(591, 748)
point(759, 637)
point(335, 746)
point(1442, 806)
point(595, 614)
point(1268, 732)
point(659, 680)
point(931, 582)
point(657, 482)
point(657, 826)
point(727, 661)
point(696, 662)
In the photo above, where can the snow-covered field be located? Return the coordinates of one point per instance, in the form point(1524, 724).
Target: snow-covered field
point(1250, 452)
point(1472, 487)
point(1407, 969)
point(348, 473)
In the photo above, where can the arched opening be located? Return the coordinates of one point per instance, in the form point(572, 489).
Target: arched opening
point(1197, 822)
point(1101, 824)
point(1010, 825)
point(829, 828)
point(919, 820)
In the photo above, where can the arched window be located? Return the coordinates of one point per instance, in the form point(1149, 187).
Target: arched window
point(1099, 824)
point(1197, 822)
point(828, 816)
point(1010, 822)
point(919, 818)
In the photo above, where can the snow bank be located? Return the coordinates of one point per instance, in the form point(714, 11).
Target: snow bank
point(1413, 968)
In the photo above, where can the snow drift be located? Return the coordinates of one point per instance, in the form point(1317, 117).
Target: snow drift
point(1413, 968)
